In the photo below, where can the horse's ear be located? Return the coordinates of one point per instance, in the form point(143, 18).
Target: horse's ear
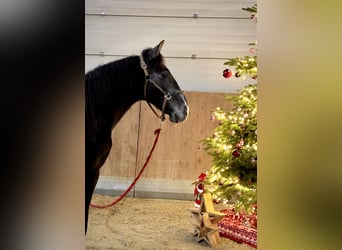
point(156, 50)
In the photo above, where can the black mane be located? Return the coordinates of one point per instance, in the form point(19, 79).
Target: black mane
point(104, 88)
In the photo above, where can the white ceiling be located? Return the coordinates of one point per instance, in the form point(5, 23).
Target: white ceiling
point(221, 30)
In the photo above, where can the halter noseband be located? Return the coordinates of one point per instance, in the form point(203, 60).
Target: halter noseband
point(167, 96)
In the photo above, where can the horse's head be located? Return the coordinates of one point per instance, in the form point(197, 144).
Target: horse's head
point(161, 89)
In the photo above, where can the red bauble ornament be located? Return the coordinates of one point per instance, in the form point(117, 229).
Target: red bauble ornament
point(227, 73)
point(236, 153)
point(252, 50)
point(212, 117)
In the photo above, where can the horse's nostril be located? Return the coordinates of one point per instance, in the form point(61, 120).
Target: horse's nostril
point(186, 110)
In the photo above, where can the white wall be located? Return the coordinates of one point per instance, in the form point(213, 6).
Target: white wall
point(222, 30)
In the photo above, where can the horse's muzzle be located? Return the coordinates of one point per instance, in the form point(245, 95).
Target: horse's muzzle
point(179, 116)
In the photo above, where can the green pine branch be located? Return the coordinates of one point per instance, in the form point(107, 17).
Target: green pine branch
point(253, 9)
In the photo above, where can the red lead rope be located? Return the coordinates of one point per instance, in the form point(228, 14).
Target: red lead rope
point(157, 132)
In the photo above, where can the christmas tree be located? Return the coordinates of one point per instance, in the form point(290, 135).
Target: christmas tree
point(232, 178)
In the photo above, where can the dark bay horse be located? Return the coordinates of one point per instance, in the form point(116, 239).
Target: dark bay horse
point(110, 90)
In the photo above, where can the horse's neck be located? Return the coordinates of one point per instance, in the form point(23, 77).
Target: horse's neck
point(131, 90)
point(127, 86)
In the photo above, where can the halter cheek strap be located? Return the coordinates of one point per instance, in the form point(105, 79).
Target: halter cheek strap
point(167, 96)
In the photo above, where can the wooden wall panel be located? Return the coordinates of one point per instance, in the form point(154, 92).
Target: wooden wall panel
point(178, 155)
point(122, 157)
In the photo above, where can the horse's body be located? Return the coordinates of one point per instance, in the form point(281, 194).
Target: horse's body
point(110, 90)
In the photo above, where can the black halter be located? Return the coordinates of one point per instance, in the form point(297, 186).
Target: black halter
point(167, 96)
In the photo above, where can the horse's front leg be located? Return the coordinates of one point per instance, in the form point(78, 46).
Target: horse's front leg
point(92, 177)
point(92, 171)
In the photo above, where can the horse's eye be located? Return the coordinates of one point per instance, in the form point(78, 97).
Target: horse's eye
point(165, 74)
